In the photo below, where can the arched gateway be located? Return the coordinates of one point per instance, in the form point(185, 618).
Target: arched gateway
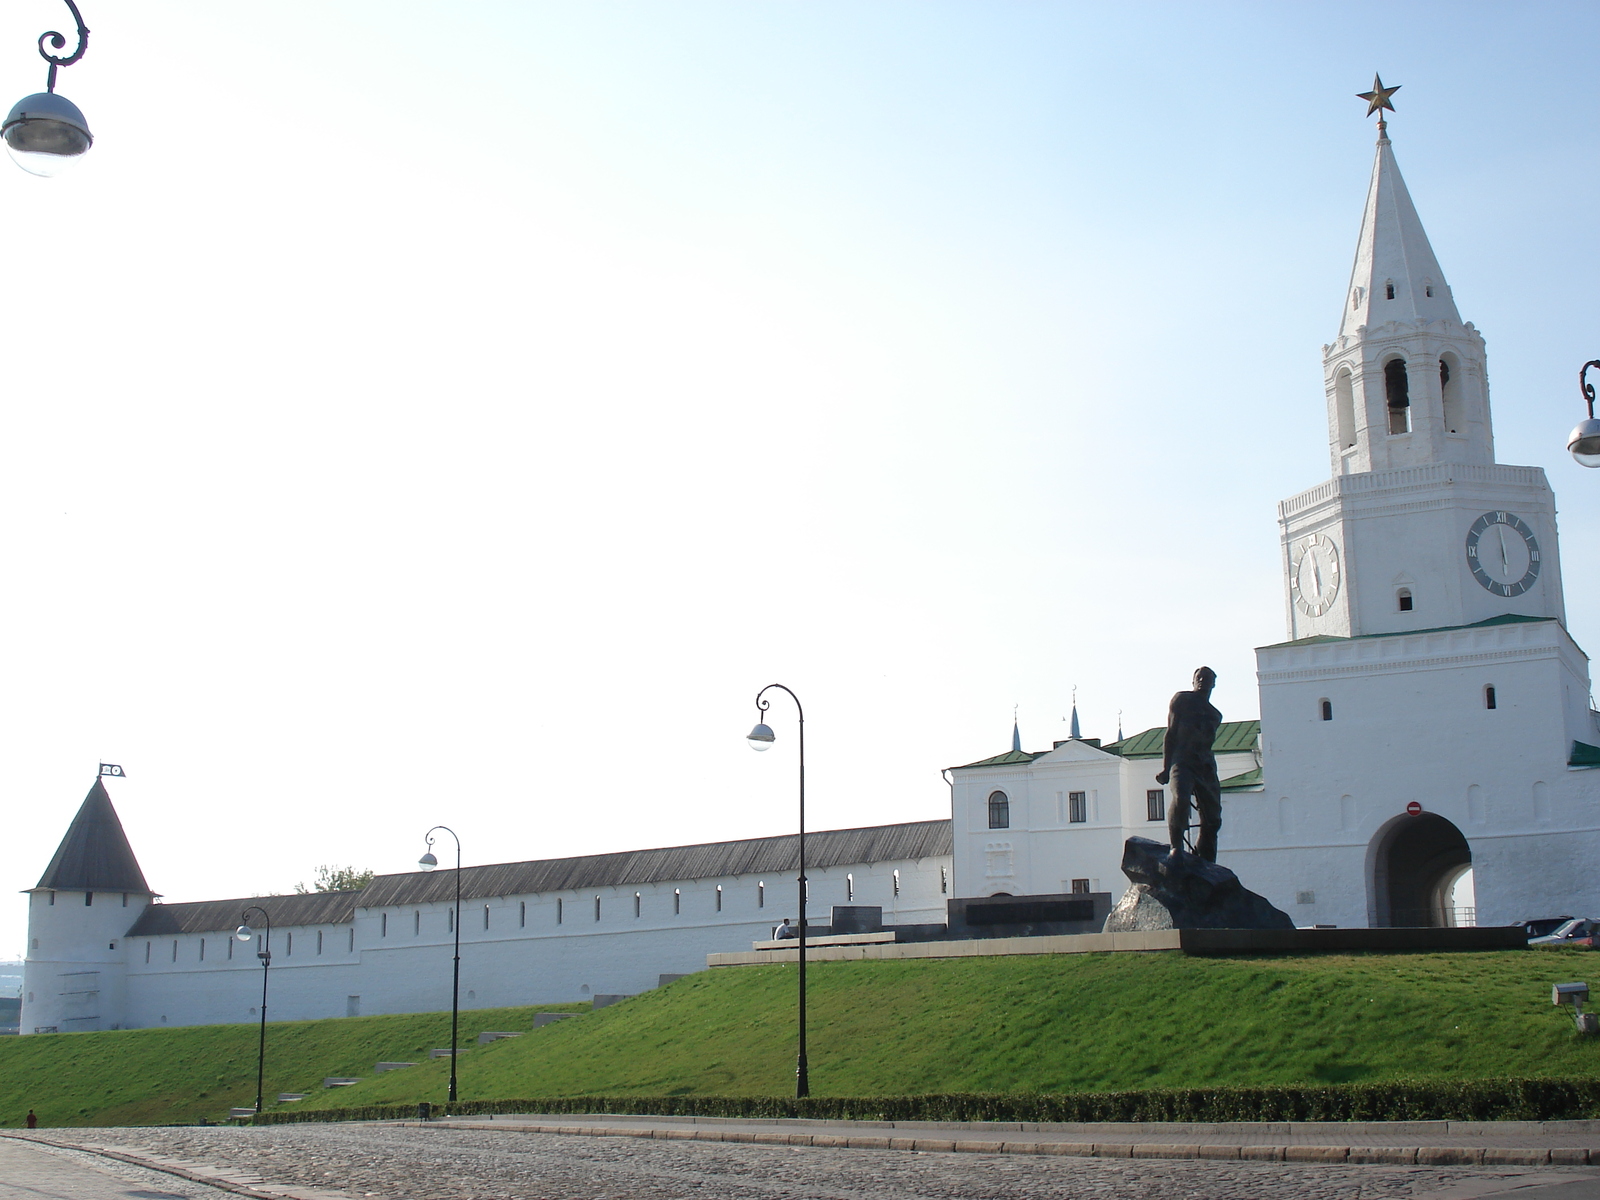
point(1413, 864)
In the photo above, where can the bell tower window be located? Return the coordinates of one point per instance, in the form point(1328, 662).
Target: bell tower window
point(1397, 388)
point(1450, 390)
point(1388, 290)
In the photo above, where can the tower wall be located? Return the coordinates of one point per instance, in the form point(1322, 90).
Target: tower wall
point(74, 977)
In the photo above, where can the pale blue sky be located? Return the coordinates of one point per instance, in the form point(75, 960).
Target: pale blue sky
point(426, 412)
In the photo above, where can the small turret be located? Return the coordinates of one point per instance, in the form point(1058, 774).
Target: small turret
point(88, 897)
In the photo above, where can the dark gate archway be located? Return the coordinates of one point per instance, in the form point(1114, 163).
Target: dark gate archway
point(1415, 862)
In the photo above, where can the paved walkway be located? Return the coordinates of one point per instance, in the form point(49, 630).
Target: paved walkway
point(508, 1160)
point(32, 1172)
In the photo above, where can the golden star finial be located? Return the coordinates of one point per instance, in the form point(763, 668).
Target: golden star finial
point(1378, 98)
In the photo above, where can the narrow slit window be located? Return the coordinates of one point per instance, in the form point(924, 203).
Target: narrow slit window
point(147, 953)
point(849, 889)
point(1489, 697)
point(1450, 391)
point(319, 941)
point(1388, 291)
point(383, 924)
point(638, 904)
point(761, 895)
point(677, 901)
point(228, 940)
point(449, 920)
point(1327, 710)
point(288, 944)
point(944, 881)
point(597, 908)
point(559, 907)
point(896, 878)
point(719, 897)
point(202, 949)
point(352, 939)
point(999, 811)
point(1403, 597)
point(88, 899)
point(486, 916)
point(416, 923)
point(174, 951)
point(522, 914)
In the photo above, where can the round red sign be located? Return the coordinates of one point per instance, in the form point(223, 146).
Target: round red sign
point(1414, 809)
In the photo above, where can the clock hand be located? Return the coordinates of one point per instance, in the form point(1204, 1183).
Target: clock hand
point(1505, 556)
point(1316, 574)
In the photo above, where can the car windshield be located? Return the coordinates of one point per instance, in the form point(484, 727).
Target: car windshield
point(1577, 927)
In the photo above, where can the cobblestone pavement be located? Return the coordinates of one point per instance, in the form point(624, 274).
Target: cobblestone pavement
point(414, 1163)
point(31, 1172)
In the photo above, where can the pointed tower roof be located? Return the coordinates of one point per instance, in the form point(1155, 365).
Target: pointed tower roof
point(1393, 250)
point(95, 855)
point(1016, 737)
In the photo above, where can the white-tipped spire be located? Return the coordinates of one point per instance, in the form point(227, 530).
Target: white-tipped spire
point(1396, 276)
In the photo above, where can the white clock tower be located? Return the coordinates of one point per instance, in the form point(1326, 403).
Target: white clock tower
point(1418, 527)
point(1429, 754)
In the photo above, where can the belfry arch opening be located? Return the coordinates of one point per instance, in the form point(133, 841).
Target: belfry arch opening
point(1415, 866)
point(1450, 391)
point(1344, 396)
point(1397, 389)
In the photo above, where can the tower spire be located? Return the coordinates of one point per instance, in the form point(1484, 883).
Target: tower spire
point(95, 856)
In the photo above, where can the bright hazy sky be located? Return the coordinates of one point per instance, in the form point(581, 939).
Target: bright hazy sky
point(456, 412)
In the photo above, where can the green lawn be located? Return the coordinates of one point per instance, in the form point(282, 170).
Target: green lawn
point(1054, 1024)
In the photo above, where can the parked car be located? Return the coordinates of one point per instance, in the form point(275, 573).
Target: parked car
point(1580, 931)
point(1541, 926)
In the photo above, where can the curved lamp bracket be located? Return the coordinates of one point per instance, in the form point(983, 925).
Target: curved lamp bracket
point(58, 41)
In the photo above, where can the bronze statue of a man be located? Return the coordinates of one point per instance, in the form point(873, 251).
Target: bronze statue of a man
point(1187, 759)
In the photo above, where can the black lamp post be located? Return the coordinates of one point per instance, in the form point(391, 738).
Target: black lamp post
point(761, 738)
point(45, 133)
point(428, 862)
point(244, 933)
point(1584, 441)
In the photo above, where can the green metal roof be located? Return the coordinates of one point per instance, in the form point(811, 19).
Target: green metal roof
point(1250, 781)
point(1009, 758)
point(1584, 755)
point(1503, 619)
point(1232, 737)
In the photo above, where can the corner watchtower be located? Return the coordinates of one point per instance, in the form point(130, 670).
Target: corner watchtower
point(88, 897)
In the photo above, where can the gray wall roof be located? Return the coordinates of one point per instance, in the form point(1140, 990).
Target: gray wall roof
point(710, 860)
point(203, 916)
point(95, 855)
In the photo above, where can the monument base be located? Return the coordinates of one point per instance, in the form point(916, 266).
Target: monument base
point(1178, 890)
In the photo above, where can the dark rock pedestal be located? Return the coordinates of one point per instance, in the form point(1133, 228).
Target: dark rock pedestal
point(1184, 891)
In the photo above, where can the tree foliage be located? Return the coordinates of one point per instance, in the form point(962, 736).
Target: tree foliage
point(337, 879)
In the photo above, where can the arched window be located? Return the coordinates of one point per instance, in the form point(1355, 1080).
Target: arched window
point(999, 811)
point(1327, 710)
point(1397, 388)
point(1489, 697)
point(1403, 599)
point(1344, 399)
point(1388, 290)
point(1450, 389)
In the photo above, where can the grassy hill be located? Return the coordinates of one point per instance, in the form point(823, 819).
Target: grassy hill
point(1054, 1024)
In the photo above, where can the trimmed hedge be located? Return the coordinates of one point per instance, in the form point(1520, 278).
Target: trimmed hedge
point(1471, 1100)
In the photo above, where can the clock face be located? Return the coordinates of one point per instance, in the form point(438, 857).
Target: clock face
point(1502, 553)
point(1314, 574)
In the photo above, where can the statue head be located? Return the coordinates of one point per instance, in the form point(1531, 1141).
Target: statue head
point(1204, 679)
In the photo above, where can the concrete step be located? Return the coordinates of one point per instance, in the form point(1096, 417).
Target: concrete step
point(380, 1068)
point(485, 1038)
point(340, 1080)
point(607, 1001)
point(286, 1097)
point(445, 1053)
point(540, 1020)
point(241, 1112)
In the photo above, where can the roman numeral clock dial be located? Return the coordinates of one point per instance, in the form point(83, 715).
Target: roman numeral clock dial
point(1502, 553)
point(1314, 574)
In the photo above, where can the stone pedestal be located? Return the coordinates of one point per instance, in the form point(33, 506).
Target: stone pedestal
point(1183, 891)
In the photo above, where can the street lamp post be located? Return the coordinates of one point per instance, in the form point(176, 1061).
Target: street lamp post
point(45, 133)
point(428, 862)
point(761, 738)
point(244, 933)
point(1584, 441)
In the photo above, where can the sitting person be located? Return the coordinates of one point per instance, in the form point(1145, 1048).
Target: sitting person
point(784, 930)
